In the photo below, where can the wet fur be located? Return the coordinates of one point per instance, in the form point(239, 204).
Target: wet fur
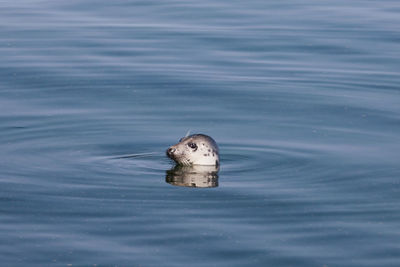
point(205, 153)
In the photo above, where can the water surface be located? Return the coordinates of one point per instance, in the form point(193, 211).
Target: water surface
point(302, 98)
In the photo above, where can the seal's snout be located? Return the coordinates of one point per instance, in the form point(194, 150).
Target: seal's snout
point(170, 151)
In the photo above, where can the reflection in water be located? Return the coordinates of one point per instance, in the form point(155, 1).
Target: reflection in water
point(193, 176)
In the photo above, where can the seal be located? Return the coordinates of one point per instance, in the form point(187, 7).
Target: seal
point(195, 149)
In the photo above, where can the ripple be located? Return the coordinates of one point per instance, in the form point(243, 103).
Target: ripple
point(245, 158)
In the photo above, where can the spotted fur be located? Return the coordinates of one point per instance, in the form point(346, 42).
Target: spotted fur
point(195, 150)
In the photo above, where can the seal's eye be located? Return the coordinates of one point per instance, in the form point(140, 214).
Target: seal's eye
point(192, 145)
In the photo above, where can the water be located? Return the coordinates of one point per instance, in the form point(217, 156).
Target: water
point(302, 98)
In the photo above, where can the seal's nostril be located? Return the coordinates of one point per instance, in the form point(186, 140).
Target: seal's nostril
point(170, 150)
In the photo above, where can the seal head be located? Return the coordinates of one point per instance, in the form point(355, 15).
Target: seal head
point(196, 149)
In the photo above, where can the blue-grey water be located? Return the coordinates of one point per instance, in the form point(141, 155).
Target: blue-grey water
point(302, 97)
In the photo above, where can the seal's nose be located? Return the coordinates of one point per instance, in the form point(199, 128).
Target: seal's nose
point(170, 150)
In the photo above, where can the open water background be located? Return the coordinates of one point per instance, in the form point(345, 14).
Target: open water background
point(303, 98)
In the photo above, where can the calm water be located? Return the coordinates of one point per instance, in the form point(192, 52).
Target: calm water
point(302, 98)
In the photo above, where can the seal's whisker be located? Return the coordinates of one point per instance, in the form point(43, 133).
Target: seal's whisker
point(187, 133)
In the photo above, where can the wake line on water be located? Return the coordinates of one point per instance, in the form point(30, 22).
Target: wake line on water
point(138, 155)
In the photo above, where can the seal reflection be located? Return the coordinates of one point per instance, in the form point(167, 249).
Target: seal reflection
point(201, 176)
